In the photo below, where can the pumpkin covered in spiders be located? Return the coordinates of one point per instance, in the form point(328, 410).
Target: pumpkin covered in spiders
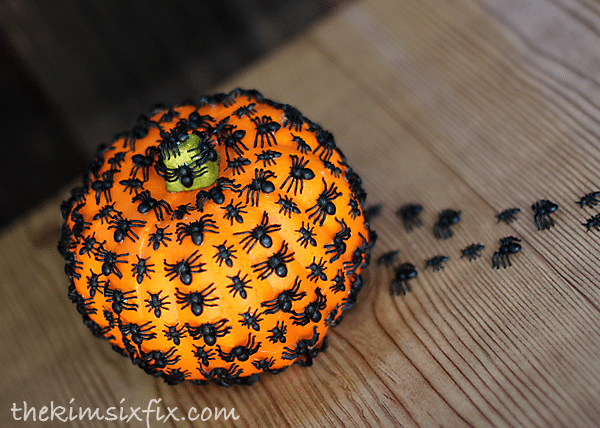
point(217, 240)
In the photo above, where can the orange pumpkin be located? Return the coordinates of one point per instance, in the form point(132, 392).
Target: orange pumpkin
point(217, 240)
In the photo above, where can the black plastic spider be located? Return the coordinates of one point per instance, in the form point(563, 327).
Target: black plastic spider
point(242, 353)
point(508, 215)
point(293, 118)
point(210, 331)
point(72, 266)
point(317, 270)
point(436, 262)
point(472, 251)
point(288, 206)
point(205, 150)
point(181, 211)
point(594, 222)
point(324, 205)
point(138, 333)
point(204, 355)
point(265, 131)
point(103, 186)
point(120, 299)
point(339, 282)
point(234, 212)
point(247, 110)
point(298, 173)
point(171, 140)
point(509, 245)
point(358, 257)
point(305, 348)
point(141, 268)
point(109, 261)
point(301, 145)
point(387, 259)
point(275, 263)
point(116, 160)
point(159, 237)
point(227, 376)
point(278, 333)
point(123, 227)
point(105, 213)
point(410, 216)
point(169, 115)
point(232, 140)
point(132, 185)
point(94, 283)
point(140, 130)
point(79, 224)
point(306, 236)
point(143, 162)
point(147, 203)
point(239, 285)
point(185, 174)
point(215, 193)
point(237, 165)
point(312, 311)
point(196, 300)
point(402, 274)
point(589, 199)
point(542, 210)
point(372, 211)
point(446, 218)
point(251, 319)
point(283, 302)
point(224, 254)
point(354, 208)
point(195, 121)
point(326, 144)
point(184, 268)
point(334, 170)
point(157, 303)
point(338, 246)
point(260, 183)
point(259, 233)
point(196, 229)
point(159, 359)
point(267, 157)
point(175, 333)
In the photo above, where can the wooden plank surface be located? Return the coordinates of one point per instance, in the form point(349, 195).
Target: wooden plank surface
point(462, 105)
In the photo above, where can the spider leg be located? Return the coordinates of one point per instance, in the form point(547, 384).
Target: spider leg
point(495, 264)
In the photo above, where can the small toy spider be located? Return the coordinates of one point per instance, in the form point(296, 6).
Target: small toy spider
point(132, 185)
point(242, 353)
point(275, 263)
point(402, 274)
point(317, 270)
point(224, 254)
point(265, 131)
point(185, 174)
point(120, 299)
point(288, 206)
point(446, 218)
point(215, 193)
point(232, 140)
point(210, 331)
point(138, 333)
point(239, 285)
point(147, 203)
point(157, 303)
point(175, 333)
point(298, 173)
point(94, 283)
point(293, 118)
point(589, 199)
point(542, 210)
point(259, 233)
point(184, 268)
point(436, 262)
point(237, 165)
point(278, 333)
point(312, 311)
point(105, 212)
point(123, 227)
point(326, 144)
point(509, 245)
point(251, 319)
point(508, 215)
point(338, 247)
point(306, 236)
point(387, 259)
point(304, 347)
point(372, 211)
point(324, 205)
point(283, 302)
point(301, 145)
point(141, 269)
point(594, 222)
point(268, 157)
point(472, 251)
point(181, 211)
point(196, 229)
point(159, 237)
point(143, 162)
point(109, 261)
point(196, 300)
point(103, 186)
point(247, 110)
point(203, 355)
point(260, 183)
point(160, 359)
point(226, 377)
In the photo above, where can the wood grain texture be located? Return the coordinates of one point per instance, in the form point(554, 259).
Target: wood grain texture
point(442, 103)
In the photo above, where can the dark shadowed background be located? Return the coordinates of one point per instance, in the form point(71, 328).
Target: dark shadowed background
point(73, 73)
